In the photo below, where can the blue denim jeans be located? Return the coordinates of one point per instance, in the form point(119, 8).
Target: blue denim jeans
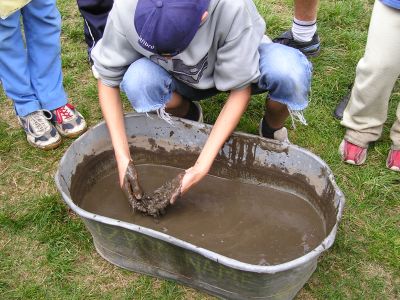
point(32, 76)
point(285, 74)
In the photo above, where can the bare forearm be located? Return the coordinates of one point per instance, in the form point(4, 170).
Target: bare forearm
point(226, 123)
point(111, 107)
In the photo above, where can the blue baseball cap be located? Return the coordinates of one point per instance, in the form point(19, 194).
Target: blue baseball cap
point(167, 27)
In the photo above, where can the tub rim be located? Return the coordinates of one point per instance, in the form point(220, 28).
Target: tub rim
point(326, 243)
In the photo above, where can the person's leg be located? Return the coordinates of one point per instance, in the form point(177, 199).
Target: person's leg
point(286, 74)
point(16, 79)
point(276, 114)
point(395, 130)
point(304, 25)
point(42, 24)
point(14, 72)
point(376, 75)
point(306, 10)
point(393, 160)
point(341, 106)
point(149, 87)
point(184, 101)
point(95, 14)
point(303, 34)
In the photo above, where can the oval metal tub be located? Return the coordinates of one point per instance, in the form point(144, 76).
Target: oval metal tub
point(245, 157)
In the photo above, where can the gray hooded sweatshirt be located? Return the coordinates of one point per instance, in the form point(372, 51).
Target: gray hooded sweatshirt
point(223, 54)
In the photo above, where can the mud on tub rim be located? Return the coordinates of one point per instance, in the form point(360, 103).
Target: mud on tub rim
point(229, 262)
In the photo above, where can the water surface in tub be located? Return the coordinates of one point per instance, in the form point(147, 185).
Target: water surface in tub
point(251, 223)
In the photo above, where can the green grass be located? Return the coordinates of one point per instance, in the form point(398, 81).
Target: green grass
point(46, 252)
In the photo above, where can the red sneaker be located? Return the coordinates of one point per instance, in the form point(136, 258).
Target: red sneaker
point(393, 160)
point(352, 154)
point(68, 121)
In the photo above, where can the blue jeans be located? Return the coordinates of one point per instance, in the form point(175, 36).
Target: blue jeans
point(285, 74)
point(32, 76)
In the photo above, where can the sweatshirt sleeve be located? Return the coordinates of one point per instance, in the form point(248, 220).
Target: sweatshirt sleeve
point(113, 53)
point(237, 63)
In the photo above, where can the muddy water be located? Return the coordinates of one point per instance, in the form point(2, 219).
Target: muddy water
point(250, 223)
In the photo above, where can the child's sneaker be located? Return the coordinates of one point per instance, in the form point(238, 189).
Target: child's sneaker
point(341, 106)
point(195, 113)
point(95, 73)
point(198, 114)
point(68, 121)
point(352, 154)
point(39, 131)
point(279, 135)
point(393, 160)
point(310, 49)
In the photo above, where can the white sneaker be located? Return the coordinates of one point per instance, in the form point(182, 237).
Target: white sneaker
point(162, 114)
point(95, 72)
point(279, 135)
point(39, 131)
point(198, 106)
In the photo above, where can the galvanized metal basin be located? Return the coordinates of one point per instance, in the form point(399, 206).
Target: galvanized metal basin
point(243, 156)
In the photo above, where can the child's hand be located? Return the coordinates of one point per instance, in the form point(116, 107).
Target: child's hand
point(191, 177)
point(129, 182)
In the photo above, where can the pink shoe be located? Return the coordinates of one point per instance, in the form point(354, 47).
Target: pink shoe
point(393, 160)
point(352, 154)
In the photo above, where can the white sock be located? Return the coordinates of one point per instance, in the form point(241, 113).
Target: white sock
point(303, 31)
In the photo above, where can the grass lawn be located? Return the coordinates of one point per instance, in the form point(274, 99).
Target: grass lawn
point(46, 252)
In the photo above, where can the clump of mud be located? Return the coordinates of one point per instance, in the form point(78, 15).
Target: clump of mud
point(155, 204)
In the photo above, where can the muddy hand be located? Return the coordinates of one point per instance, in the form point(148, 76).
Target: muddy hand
point(131, 185)
point(156, 204)
point(176, 188)
point(191, 177)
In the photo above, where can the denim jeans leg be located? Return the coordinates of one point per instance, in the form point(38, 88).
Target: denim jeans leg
point(147, 85)
point(42, 24)
point(14, 72)
point(286, 74)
